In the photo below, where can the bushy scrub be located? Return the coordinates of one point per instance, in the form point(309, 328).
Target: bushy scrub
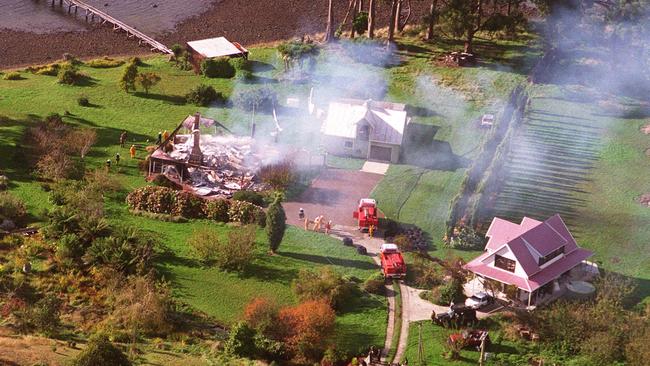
point(325, 284)
point(12, 76)
point(375, 284)
point(69, 74)
point(105, 63)
point(187, 205)
point(49, 70)
point(203, 95)
point(278, 175)
point(101, 352)
point(465, 238)
point(12, 208)
point(451, 291)
point(219, 67)
point(83, 101)
point(44, 316)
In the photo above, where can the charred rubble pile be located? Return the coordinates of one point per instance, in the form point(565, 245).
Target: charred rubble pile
point(212, 165)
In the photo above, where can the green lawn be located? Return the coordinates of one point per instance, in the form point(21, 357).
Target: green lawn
point(434, 338)
point(575, 156)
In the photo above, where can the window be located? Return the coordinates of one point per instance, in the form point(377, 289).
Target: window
point(363, 134)
point(504, 263)
point(348, 144)
point(547, 258)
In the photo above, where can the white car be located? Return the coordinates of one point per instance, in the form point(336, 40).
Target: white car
point(478, 300)
point(487, 120)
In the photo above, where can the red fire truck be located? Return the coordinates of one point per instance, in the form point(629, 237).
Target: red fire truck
point(392, 262)
point(366, 213)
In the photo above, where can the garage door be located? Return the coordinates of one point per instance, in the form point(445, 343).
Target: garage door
point(380, 153)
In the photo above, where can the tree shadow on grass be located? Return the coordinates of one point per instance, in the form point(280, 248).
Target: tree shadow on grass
point(259, 66)
point(169, 99)
point(422, 150)
point(351, 263)
point(264, 272)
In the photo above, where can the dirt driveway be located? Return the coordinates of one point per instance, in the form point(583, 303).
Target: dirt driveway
point(334, 194)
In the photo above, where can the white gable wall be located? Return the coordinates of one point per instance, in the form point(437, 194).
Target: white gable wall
point(506, 253)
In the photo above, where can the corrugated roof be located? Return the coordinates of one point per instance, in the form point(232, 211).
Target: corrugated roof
point(387, 120)
point(217, 47)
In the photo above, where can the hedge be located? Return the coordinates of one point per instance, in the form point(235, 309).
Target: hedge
point(167, 201)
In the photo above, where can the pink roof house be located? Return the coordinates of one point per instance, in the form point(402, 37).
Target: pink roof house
point(531, 256)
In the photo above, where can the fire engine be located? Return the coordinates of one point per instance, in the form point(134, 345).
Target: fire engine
point(366, 214)
point(392, 262)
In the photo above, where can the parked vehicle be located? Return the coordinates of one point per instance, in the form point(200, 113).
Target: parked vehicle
point(478, 300)
point(487, 120)
point(366, 214)
point(392, 262)
point(457, 315)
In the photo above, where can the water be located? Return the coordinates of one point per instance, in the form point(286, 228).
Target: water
point(153, 17)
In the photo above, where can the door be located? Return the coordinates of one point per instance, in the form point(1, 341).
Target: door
point(380, 153)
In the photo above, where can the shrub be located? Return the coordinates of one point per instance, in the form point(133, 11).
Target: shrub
point(360, 22)
point(69, 74)
point(241, 64)
point(12, 208)
point(142, 307)
point(308, 328)
point(147, 80)
point(187, 205)
point(260, 99)
point(69, 248)
point(49, 70)
point(205, 244)
point(238, 251)
point(128, 251)
point(241, 341)
point(100, 352)
point(326, 284)
point(466, 239)
point(203, 95)
point(4, 182)
point(451, 291)
point(375, 284)
point(261, 314)
point(83, 101)
point(46, 315)
point(297, 51)
point(127, 81)
point(104, 63)
point(276, 223)
point(177, 51)
point(12, 76)
point(219, 67)
point(279, 175)
point(249, 196)
point(244, 212)
point(216, 210)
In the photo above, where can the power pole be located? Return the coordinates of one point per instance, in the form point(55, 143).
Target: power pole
point(420, 349)
point(483, 338)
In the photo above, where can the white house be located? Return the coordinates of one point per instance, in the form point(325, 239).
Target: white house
point(365, 129)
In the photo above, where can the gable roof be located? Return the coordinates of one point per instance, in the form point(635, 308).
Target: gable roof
point(217, 47)
point(387, 120)
point(540, 237)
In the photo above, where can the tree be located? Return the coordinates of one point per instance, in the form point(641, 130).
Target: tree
point(432, 18)
point(127, 82)
point(330, 30)
point(372, 14)
point(83, 139)
point(307, 328)
point(147, 80)
point(465, 18)
point(276, 223)
point(392, 21)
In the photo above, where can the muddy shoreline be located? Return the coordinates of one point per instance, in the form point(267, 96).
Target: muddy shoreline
point(247, 22)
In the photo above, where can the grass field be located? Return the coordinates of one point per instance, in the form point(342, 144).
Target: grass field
point(576, 156)
point(220, 295)
point(434, 338)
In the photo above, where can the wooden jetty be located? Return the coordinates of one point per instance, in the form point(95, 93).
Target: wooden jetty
point(91, 13)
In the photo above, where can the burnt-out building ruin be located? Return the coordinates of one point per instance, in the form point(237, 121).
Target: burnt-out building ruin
point(210, 164)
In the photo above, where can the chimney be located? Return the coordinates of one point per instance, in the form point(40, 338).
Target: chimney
point(196, 156)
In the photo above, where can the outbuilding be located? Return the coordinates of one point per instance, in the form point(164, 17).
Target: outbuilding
point(215, 47)
point(365, 129)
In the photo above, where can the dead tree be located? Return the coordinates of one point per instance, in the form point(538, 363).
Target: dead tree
point(354, 17)
point(329, 31)
point(401, 21)
point(371, 19)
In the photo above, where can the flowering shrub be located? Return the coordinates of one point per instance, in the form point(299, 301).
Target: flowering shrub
point(245, 213)
point(216, 210)
point(163, 200)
